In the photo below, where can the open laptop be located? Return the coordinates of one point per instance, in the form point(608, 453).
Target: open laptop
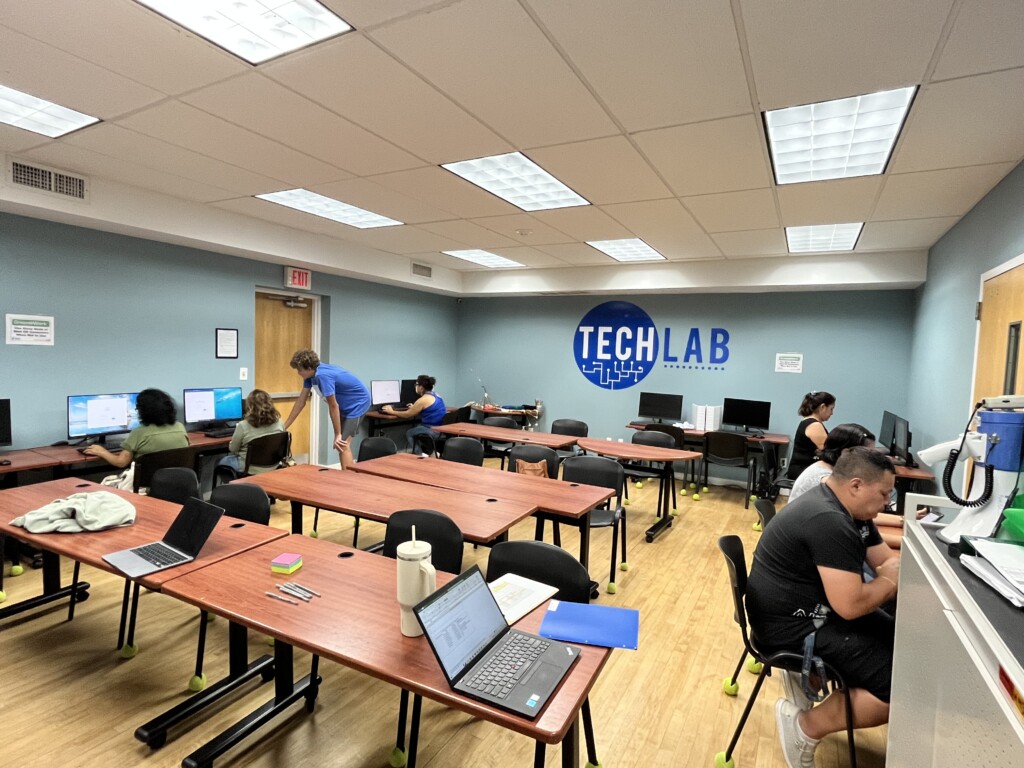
point(485, 659)
point(181, 544)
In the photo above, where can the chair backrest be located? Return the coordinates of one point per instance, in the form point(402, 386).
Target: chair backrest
point(594, 470)
point(669, 429)
point(465, 450)
point(426, 444)
point(243, 501)
point(375, 447)
point(770, 458)
point(438, 529)
point(765, 509)
point(533, 454)
point(268, 450)
point(659, 439)
point(501, 421)
point(177, 484)
point(570, 427)
point(735, 560)
point(728, 448)
point(147, 464)
point(542, 562)
point(458, 416)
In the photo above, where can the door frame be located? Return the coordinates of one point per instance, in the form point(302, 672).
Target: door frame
point(1006, 266)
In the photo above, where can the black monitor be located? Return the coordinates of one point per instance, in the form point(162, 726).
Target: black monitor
point(660, 407)
point(385, 391)
point(885, 434)
point(409, 391)
point(901, 439)
point(212, 406)
point(750, 415)
point(5, 422)
point(96, 416)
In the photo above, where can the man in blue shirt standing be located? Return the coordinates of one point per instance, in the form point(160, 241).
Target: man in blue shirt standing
point(347, 398)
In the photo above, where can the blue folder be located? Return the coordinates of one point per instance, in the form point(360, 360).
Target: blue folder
point(602, 625)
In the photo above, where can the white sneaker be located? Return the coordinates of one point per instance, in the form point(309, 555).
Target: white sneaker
point(792, 685)
point(796, 747)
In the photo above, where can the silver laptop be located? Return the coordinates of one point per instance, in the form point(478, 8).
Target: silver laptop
point(484, 658)
point(181, 544)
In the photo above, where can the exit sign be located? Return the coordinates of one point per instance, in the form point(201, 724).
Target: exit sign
point(298, 278)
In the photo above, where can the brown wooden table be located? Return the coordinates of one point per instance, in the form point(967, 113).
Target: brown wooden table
point(906, 479)
point(506, 435)
point(482, 517)
point(355, 623)
point(640, 452)
point(24, 459)
point(573, 501)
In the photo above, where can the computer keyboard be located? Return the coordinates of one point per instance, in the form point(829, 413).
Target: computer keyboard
point(224, 432)
point(504, 669)
point(159, 554)
point(81, 449)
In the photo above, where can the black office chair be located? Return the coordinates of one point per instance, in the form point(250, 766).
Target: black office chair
point(176, 484)
point(727, 449)
point(573, 428)
point(638, 471)
point(494, 450)
point(732, 549)
point(553, 566)
point(446, 549)
point(606, 473)
point(147, 464)
point(682, 441)
point(369, 448)
point(465, 450)
point(534, 454)
point(241, 501)
point(265, 451)
point(772, 478)
point(765, 509)
point(458, 416)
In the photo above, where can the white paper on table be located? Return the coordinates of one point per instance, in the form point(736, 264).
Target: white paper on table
point(517, 595)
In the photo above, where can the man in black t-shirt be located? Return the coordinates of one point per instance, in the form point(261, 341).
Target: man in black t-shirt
point(807, 573)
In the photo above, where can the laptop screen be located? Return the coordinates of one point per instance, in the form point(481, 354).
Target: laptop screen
point(461, 620)
point(193, 526)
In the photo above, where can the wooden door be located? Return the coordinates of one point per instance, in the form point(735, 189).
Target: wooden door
point(280, 331)
point(1002, 316)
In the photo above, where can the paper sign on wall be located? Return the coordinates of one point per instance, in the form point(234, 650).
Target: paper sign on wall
point(30, 329)
point(789, 362)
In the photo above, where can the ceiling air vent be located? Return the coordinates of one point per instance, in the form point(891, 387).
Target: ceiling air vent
point(48, 180)
point(422, 270)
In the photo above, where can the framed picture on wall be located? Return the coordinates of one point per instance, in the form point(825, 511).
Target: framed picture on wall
point(227, 342)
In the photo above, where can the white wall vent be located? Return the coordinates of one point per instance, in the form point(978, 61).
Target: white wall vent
point(422, 270)
point(48, 180)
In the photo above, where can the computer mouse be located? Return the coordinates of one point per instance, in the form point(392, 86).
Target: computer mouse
point(5, 462)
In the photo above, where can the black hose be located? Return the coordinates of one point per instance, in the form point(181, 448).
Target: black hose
point(947, 485)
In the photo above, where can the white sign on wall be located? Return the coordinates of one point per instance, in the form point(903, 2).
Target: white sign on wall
point(30, 329)
point(298, 278)
point(789, 362)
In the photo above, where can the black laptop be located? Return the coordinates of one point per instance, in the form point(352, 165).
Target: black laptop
point(485, 659)
point(181, 544)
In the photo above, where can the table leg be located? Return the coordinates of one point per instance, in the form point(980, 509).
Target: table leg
point(584, 523)
point(571, 746)
point(297, 517)
point(52, 590)
point(903, 485)
point(664, 520)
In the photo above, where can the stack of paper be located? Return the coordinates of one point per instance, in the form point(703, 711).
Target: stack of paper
point(517, 595)
point(286, 563)
point(707, 417)
point(985, 571)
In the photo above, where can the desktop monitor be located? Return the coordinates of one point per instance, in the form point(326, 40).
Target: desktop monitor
point(751, 415)
point(408, 391)
point(885, 434)
point(215, 404)
point(101, 415)
point(5, 422)
point(385, 392)
point(901, 441)
point(654, 405)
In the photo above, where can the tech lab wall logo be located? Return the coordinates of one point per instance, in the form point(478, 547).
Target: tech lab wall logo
point(617, 344)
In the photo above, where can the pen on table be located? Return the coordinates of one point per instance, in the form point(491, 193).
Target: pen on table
point(278, 597)
point(294, 593)
point(296, 585)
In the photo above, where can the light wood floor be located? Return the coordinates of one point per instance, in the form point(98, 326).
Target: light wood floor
point(68, 699)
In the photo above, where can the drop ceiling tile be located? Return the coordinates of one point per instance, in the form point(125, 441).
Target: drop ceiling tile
point(276, 112)
point(539, 233)
point(577, 254)
point(838, 201)
point(401, 240)
point(439, 187)
point(286, 217)
point(617, 48)
point(365, 194)
point(757, 242)
point(585, 222)
point(470, 234)
point(667, 227)
point(529, 95)
point(901, 235)
point(366, 13)
point(971, 121)
point(19, 140)
point(731, 211)
point(934, 194)
point(191, 128)
point(399, 106)
point(529, 257)
point(717, 156)
point(985, 37)
point(603, 171)
point(833, 50)
point(124, 38)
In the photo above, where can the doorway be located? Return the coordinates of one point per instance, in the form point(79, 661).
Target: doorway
point(998, 364)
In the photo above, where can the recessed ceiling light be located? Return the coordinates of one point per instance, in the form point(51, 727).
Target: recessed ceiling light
point(836, 139)
point(484, 258)
point(39, 115)
point(329, 208)
point(823, 237)
point(516, 178)
point(255, 30)
point(627, 249)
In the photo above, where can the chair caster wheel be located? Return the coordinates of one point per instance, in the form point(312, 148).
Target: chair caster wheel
point(730, 688)
point(397, 758)
point(754, 666)
point(721, 762)
point(197, 683)
point(129, 651)
point(17, 569)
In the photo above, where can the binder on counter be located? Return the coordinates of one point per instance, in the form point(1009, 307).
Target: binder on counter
point(602, 625)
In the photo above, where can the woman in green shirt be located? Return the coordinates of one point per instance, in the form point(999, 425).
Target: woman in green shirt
point(160, 430)
point(261, 418)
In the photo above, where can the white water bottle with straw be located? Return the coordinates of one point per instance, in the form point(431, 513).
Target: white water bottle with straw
point(416, 580)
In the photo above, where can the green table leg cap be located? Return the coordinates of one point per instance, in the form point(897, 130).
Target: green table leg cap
point(612, 589)
point(754, 666)
point(674, 513)
point(270, 640)
point(314, 534)
point(705, 489)
point(757, 525)
point(693, 485)
point(639, 484)
point(17, 569)
point(753, 497)
point(398, 758)
point(696, 497)
point(3, 595)
point(197, 683)
point(129, 651)
point(721, 762)
point(598, 764)
point(729, 688)
point(623, 566)
point(626, 502)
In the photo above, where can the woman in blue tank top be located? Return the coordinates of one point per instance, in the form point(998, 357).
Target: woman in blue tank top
point(428, 406)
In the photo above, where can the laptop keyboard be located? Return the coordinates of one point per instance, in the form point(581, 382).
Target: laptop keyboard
point(158, 554)
point(506, 667)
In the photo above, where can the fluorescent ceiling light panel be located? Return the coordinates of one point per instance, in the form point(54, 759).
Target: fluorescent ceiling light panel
point(255, 30)
point(836, 139)
point(516, 178)
point(628, 249)
point(823, 237)
point(484, 258)
point(329, 208)
point(39, 115)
